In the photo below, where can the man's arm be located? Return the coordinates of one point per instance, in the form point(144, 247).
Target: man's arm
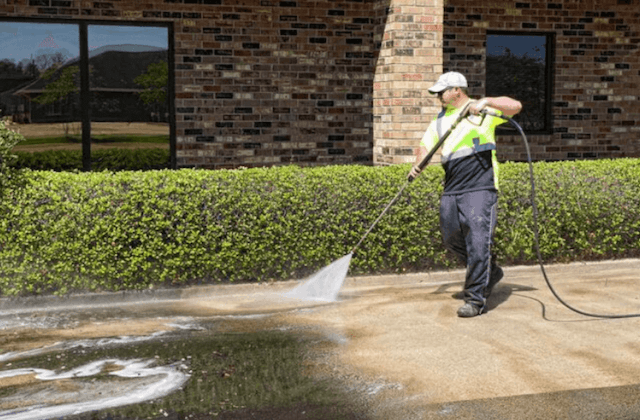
point(508, 106)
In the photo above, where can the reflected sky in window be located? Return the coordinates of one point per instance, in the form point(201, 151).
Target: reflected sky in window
point(101, 35)
point(533, 46)
point(22, 41)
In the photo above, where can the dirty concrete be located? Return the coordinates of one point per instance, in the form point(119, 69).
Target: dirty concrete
point(400, 345)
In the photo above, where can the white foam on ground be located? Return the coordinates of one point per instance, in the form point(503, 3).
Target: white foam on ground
point(181, 323)
point(324, 285)
point(168, 380)
point(66, 345)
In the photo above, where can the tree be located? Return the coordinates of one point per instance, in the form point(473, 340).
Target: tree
point(59, 89)
point(154, 82)
point(46, 61)
point(9, 68)
point(523, 78)
point(31, 70)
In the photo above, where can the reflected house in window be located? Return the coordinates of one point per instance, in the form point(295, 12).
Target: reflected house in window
point(11, 104)
point(115, 94)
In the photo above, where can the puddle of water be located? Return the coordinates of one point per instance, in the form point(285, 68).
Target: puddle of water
point(45, 393)
point(226, 371)
point(57, 393)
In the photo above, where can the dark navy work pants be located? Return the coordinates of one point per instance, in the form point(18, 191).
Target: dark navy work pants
point(467, 222)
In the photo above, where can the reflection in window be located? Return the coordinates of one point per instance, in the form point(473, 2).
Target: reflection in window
point(40, 70)
point(519, 65)
point(39, 85)
point(128, 72)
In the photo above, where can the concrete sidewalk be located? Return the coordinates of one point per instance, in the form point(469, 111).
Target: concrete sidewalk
point(528, 357)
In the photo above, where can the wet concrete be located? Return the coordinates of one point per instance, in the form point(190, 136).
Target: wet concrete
point(397, 342)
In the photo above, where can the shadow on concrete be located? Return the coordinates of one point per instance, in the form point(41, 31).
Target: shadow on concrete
point(619, 402)
point(503, 292)
point(500, 295)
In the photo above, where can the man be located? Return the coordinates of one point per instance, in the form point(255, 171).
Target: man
point(469, 202)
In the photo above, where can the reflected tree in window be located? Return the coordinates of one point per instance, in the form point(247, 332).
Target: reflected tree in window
point(154, 94)
point(62, 92)
point(517, 66)
point(39, 83)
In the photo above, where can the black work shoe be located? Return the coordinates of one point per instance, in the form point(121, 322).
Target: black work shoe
point(468, 310)
point(496, 275)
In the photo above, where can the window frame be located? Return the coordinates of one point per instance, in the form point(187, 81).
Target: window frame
point(549, 76)
point(83, 25)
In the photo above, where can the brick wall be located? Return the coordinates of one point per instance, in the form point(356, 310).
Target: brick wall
point(258, 82)
point(597, 70)
point(410, 62)
point(270, 82)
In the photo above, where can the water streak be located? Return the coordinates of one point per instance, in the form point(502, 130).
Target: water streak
point(67, 345)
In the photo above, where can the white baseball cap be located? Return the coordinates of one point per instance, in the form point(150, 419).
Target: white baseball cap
point(447, 80)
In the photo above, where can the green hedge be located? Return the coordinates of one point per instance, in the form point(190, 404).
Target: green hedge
point(107, 159)
point(65, 232)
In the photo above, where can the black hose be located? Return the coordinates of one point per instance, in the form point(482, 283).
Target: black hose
point(536, 233)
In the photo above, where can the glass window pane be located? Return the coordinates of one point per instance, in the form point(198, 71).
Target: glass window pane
point(517, 67)
point(128, 72)
point(40, 84)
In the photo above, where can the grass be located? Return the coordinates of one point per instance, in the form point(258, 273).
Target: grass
point(233, 375)
point(43, 137)
point(97, 139)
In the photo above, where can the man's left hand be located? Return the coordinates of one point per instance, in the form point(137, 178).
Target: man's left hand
point(477, 106)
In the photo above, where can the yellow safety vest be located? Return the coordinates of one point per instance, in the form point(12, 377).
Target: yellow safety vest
point(469, 153)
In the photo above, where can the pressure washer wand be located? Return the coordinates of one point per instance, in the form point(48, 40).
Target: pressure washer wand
point(380, 217)
point(423, 163)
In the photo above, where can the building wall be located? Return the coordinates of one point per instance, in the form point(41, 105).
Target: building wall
point(314, 82)
point(258, 82)
point(597, 70)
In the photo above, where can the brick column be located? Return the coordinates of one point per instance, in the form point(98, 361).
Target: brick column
point(410, 62)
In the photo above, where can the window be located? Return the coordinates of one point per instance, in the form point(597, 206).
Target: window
point(33, 90)
point(127, 92)
point(128, 78)
point(519, 65)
